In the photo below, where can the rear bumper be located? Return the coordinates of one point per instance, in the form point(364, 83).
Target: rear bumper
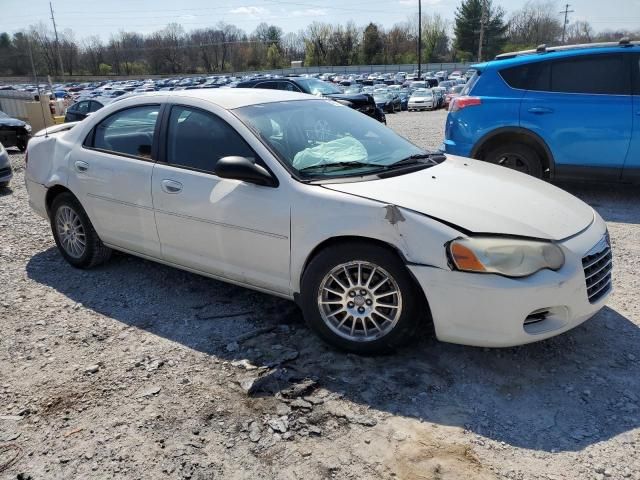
point(37, 197)
point(454, 148)
point(490, 310)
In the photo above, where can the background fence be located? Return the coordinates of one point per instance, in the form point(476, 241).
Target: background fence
point(349, 69)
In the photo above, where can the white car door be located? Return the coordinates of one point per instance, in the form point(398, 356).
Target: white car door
point(111, 176)
point(227, 228)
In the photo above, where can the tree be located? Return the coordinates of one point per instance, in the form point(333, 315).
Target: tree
point(372, 44)
point(274, 57)
point(534, 24)
point(467, 28)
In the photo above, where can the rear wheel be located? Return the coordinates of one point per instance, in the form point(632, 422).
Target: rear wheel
point(517, 156)
point(74, 234)
point(359, 297)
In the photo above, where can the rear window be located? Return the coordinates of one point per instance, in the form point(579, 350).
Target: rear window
point(593, 74)
point(471, 83)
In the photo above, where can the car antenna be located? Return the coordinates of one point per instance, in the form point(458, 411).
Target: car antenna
point(35, 79)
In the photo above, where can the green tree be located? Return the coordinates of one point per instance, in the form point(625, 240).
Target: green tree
point(104, 69)
point(372, 44)
point(274, 57)
point(467, 28)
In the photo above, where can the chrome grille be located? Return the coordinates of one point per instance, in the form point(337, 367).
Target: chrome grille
point(597, 264)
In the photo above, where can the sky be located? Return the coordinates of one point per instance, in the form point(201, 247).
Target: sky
point(104, 17)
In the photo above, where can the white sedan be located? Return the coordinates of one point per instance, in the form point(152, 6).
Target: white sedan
point(421, 99)
point(307, 199)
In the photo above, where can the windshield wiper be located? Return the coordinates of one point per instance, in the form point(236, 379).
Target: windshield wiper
point(352, 164)
point(414, 159)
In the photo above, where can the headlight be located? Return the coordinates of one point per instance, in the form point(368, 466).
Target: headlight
point(504, 256)
point(27, 127)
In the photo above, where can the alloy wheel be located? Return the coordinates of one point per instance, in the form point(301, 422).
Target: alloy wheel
point(360, 301)
point(70, 232)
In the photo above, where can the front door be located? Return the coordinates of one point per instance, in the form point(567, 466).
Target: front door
point(111, 175)
point(227, 228)
point(631, 170)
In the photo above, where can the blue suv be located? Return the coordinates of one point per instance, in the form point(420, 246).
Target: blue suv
point(558, 113)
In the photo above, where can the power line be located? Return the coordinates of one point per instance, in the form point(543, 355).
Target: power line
point(566, 12)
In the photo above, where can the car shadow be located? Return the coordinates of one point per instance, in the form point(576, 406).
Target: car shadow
point(615, 202)
point(562, 394)
point(4, 191)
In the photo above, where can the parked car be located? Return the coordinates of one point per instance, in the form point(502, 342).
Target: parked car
point(14, 132)
point(80, 110)
point(453, 93)
point(387, 101)
point(438, 95)
point(362, 102)
point(558, 112)
point(311, 201)
point(5, 168)
point(421, 99)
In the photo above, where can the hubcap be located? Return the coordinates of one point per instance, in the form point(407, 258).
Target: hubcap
point(359, 301)
point(70, 232)
point(514, 162)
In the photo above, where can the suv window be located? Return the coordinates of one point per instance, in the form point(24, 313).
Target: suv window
point(595, 74)
point(128, 132)
point(532, 76)
point(197, 140)
point(95, 106)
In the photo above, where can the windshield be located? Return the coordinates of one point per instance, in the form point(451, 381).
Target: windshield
point(3, 115)
point(422, 92)
point(315, 86)
point(309, 134)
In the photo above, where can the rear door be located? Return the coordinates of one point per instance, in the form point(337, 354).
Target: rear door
point(582, 107)
point(631, 170)
point(110, 173)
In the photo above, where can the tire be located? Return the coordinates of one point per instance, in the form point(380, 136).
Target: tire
point(338, 329)
point(22, 145)
point(4, 184)
point(64, 206)
point(517, 156)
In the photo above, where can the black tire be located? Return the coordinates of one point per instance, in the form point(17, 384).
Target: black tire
point(21, 144)
point(413, 305)
point(95, 251)
point(4, 184)
point(517, 156)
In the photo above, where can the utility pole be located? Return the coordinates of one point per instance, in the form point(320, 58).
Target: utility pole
point(419, 38)
point(566, 12)
point(55, 30)
point(483, 20)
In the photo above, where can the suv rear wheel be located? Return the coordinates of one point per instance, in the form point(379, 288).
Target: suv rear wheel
point(516, 156)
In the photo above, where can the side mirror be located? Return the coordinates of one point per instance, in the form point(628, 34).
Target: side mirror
point(241, 168)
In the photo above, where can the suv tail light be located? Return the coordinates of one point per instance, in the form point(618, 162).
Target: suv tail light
point(458, 103)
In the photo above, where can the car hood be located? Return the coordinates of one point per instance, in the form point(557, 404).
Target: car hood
point(481, 198)
point(356, 98)
point(11, 122)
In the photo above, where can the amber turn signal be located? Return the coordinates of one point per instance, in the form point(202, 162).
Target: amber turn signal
point(465, 259)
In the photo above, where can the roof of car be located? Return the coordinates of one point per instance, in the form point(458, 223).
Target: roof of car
point(543, 53)
point(231, 98)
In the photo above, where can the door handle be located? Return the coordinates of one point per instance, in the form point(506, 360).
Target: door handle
point(171, 186)
point(81, 166)
point(540, 110)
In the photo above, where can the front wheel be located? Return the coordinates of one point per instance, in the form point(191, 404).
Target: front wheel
point(517, 156)
point(74, 234)
point(359, 297)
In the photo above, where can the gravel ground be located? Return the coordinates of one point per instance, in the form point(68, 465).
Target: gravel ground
point(136, 370)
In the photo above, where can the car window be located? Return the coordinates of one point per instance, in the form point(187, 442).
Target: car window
point(635, 66)
point(288, 86)
point(82, 107)
point(128, 132)
point(197, 140)
point(593, 74)
point(95, 106)
point(310, 135)
point(269, 85)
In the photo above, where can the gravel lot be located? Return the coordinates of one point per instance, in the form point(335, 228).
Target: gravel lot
point(136, 370)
